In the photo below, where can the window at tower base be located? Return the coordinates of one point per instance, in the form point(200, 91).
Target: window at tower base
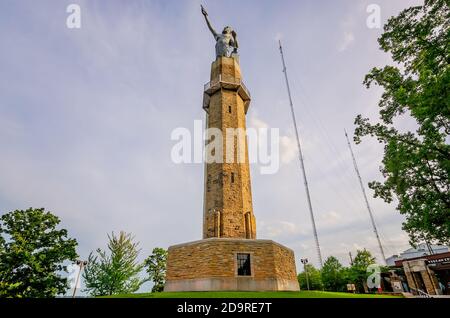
point(243, 264)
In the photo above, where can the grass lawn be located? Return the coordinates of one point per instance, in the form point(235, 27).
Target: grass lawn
point(300, 294)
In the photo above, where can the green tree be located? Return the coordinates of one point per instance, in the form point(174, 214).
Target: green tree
point(358, 270)
point(8, 290)
point(314, 278)
point(333, 275)
point(116, 272)
point(156, 268)
point(32, 254)
point(416, 164)
point(347, 278)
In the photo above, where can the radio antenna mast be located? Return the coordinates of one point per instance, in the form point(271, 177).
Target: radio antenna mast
point(300, 156)
point(365, 198)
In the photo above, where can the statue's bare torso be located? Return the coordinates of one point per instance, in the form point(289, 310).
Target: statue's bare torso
point(223, 42)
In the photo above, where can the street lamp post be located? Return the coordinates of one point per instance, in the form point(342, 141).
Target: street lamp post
point(305, 262)
point(81, 264)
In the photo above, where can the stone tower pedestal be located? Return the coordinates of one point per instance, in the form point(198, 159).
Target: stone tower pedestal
point(212, 265)
point(229, 257)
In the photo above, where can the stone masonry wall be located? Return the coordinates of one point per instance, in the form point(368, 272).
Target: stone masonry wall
point(217, 258)
point(228, 195)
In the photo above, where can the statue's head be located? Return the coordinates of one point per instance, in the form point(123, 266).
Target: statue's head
point(227, 30)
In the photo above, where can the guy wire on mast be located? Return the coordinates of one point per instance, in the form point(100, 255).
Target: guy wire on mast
point(372, 220)
point(300, 155)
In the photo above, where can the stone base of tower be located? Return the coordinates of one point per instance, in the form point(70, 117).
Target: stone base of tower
point(212, 265)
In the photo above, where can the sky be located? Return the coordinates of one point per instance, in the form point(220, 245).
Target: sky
point(86, 117)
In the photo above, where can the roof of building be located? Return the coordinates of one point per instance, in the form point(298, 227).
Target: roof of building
point(422, 250)
point(441, 259)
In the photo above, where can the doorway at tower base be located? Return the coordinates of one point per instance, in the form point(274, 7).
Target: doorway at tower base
point(220, 264)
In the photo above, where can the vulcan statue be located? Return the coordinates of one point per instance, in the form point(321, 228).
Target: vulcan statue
point(226, 41)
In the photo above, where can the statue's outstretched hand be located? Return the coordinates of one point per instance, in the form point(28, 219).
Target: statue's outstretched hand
point(204, 11)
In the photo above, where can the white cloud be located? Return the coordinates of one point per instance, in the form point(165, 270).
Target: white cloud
point(288, 149)
point(347, 40)
point(287, 143)
point(331, 218)
point(256, 122)
point(279, 229)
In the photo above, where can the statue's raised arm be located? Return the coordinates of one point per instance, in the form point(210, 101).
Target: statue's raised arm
point(225, 41)
point(205, 14)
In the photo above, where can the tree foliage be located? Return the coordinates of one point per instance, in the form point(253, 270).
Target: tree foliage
point(416, 164)
point(32, 254)
point(333, 275)
point(358, 270)
point(116, 272)
point(156, 268)
point(10, 290)
point(314, 278)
